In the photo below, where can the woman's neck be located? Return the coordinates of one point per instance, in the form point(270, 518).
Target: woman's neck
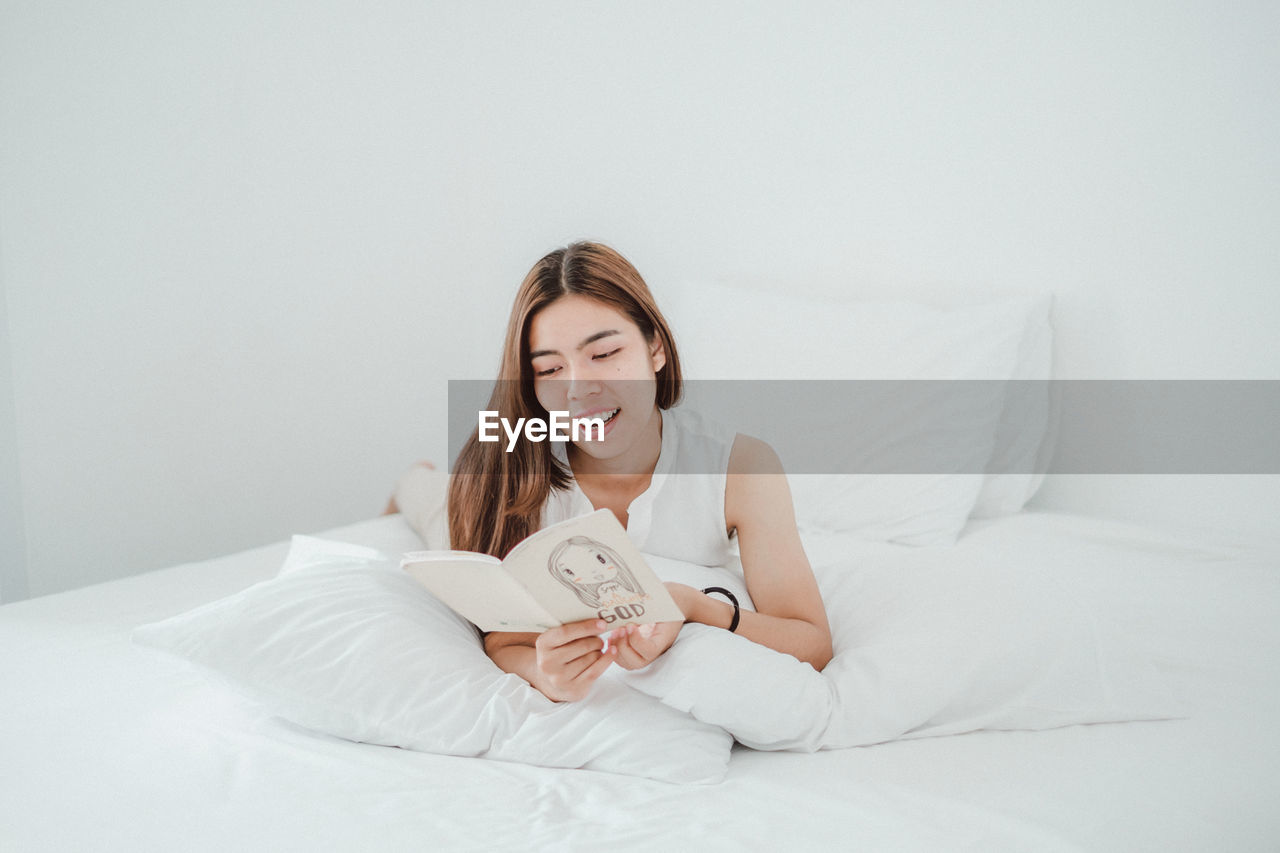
point(634, 467)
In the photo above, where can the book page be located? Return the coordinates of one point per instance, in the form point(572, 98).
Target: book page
point(588, 567)
point(478, 590)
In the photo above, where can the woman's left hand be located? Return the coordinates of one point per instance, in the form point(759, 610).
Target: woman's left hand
point(640, 645)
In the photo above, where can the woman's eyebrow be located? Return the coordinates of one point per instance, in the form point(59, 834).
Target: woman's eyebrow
point(585, 341)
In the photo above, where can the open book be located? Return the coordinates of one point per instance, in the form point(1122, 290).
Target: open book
point(582, 568)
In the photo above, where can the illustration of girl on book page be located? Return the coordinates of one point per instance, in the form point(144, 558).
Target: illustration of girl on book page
point(594, 572)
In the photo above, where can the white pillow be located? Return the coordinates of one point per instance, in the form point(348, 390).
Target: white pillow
point(1024, 441)
point(923, 648)
point(724, 332)
point(344, 642)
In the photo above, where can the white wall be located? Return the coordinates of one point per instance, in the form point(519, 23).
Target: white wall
point(13, 556)
point(247, 244)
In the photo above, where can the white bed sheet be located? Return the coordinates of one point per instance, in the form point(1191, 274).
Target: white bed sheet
point(104, 747)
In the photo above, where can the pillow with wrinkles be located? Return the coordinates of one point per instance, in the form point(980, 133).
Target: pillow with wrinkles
point(342, 641)
point(926, 644)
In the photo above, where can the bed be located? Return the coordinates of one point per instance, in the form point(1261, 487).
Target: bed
point(1006, 677)
point(105, 747)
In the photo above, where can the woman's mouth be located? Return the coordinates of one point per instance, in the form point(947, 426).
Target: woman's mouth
point(609, 419)
point(606, 417)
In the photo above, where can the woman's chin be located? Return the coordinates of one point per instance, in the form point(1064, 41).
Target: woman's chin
point(602, 452)
point(595, 449)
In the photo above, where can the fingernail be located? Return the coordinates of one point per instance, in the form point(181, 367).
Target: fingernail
point(646, 630)
point(600, 623)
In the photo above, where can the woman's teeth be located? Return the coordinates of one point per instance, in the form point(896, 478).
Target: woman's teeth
point(603, 417)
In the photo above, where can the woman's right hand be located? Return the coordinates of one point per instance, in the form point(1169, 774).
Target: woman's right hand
point(570, 658)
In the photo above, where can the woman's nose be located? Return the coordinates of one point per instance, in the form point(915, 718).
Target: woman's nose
point(582, 385)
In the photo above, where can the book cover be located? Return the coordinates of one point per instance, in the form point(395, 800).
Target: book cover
point(582, 568)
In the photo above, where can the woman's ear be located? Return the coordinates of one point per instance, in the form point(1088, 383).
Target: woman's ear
point(657, 354)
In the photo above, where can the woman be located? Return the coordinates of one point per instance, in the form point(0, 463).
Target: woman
point(585, 336)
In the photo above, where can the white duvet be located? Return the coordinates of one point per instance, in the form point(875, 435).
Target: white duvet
point(346, 643)
point(959, 640)
point(103, 749)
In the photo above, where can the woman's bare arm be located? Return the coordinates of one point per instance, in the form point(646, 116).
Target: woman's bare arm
point(790, 616)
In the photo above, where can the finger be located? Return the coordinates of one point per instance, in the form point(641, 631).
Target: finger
point(574, 668)
point(644, 639)
point(618, 642)
point(569, 652)
point(647, 640)
point(597, 669)
point(628, 656)
point(553, 637)
point(593, 670)
point(644, 646)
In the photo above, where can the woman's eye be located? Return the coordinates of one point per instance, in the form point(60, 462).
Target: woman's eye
point(606, 354)
point(547, 372)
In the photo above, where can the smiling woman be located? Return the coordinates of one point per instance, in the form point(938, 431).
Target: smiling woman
point(611, 373)
point(586, 338)
point(583, 317)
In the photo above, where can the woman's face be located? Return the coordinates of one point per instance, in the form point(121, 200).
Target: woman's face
point(590, 360)
point(582, 564)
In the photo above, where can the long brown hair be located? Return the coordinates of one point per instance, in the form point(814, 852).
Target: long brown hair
point(495, 496)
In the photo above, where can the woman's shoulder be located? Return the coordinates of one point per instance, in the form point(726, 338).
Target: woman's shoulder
point(742, 453)
point(751, 455)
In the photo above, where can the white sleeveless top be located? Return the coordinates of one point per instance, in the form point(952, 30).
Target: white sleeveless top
point(681, 514)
